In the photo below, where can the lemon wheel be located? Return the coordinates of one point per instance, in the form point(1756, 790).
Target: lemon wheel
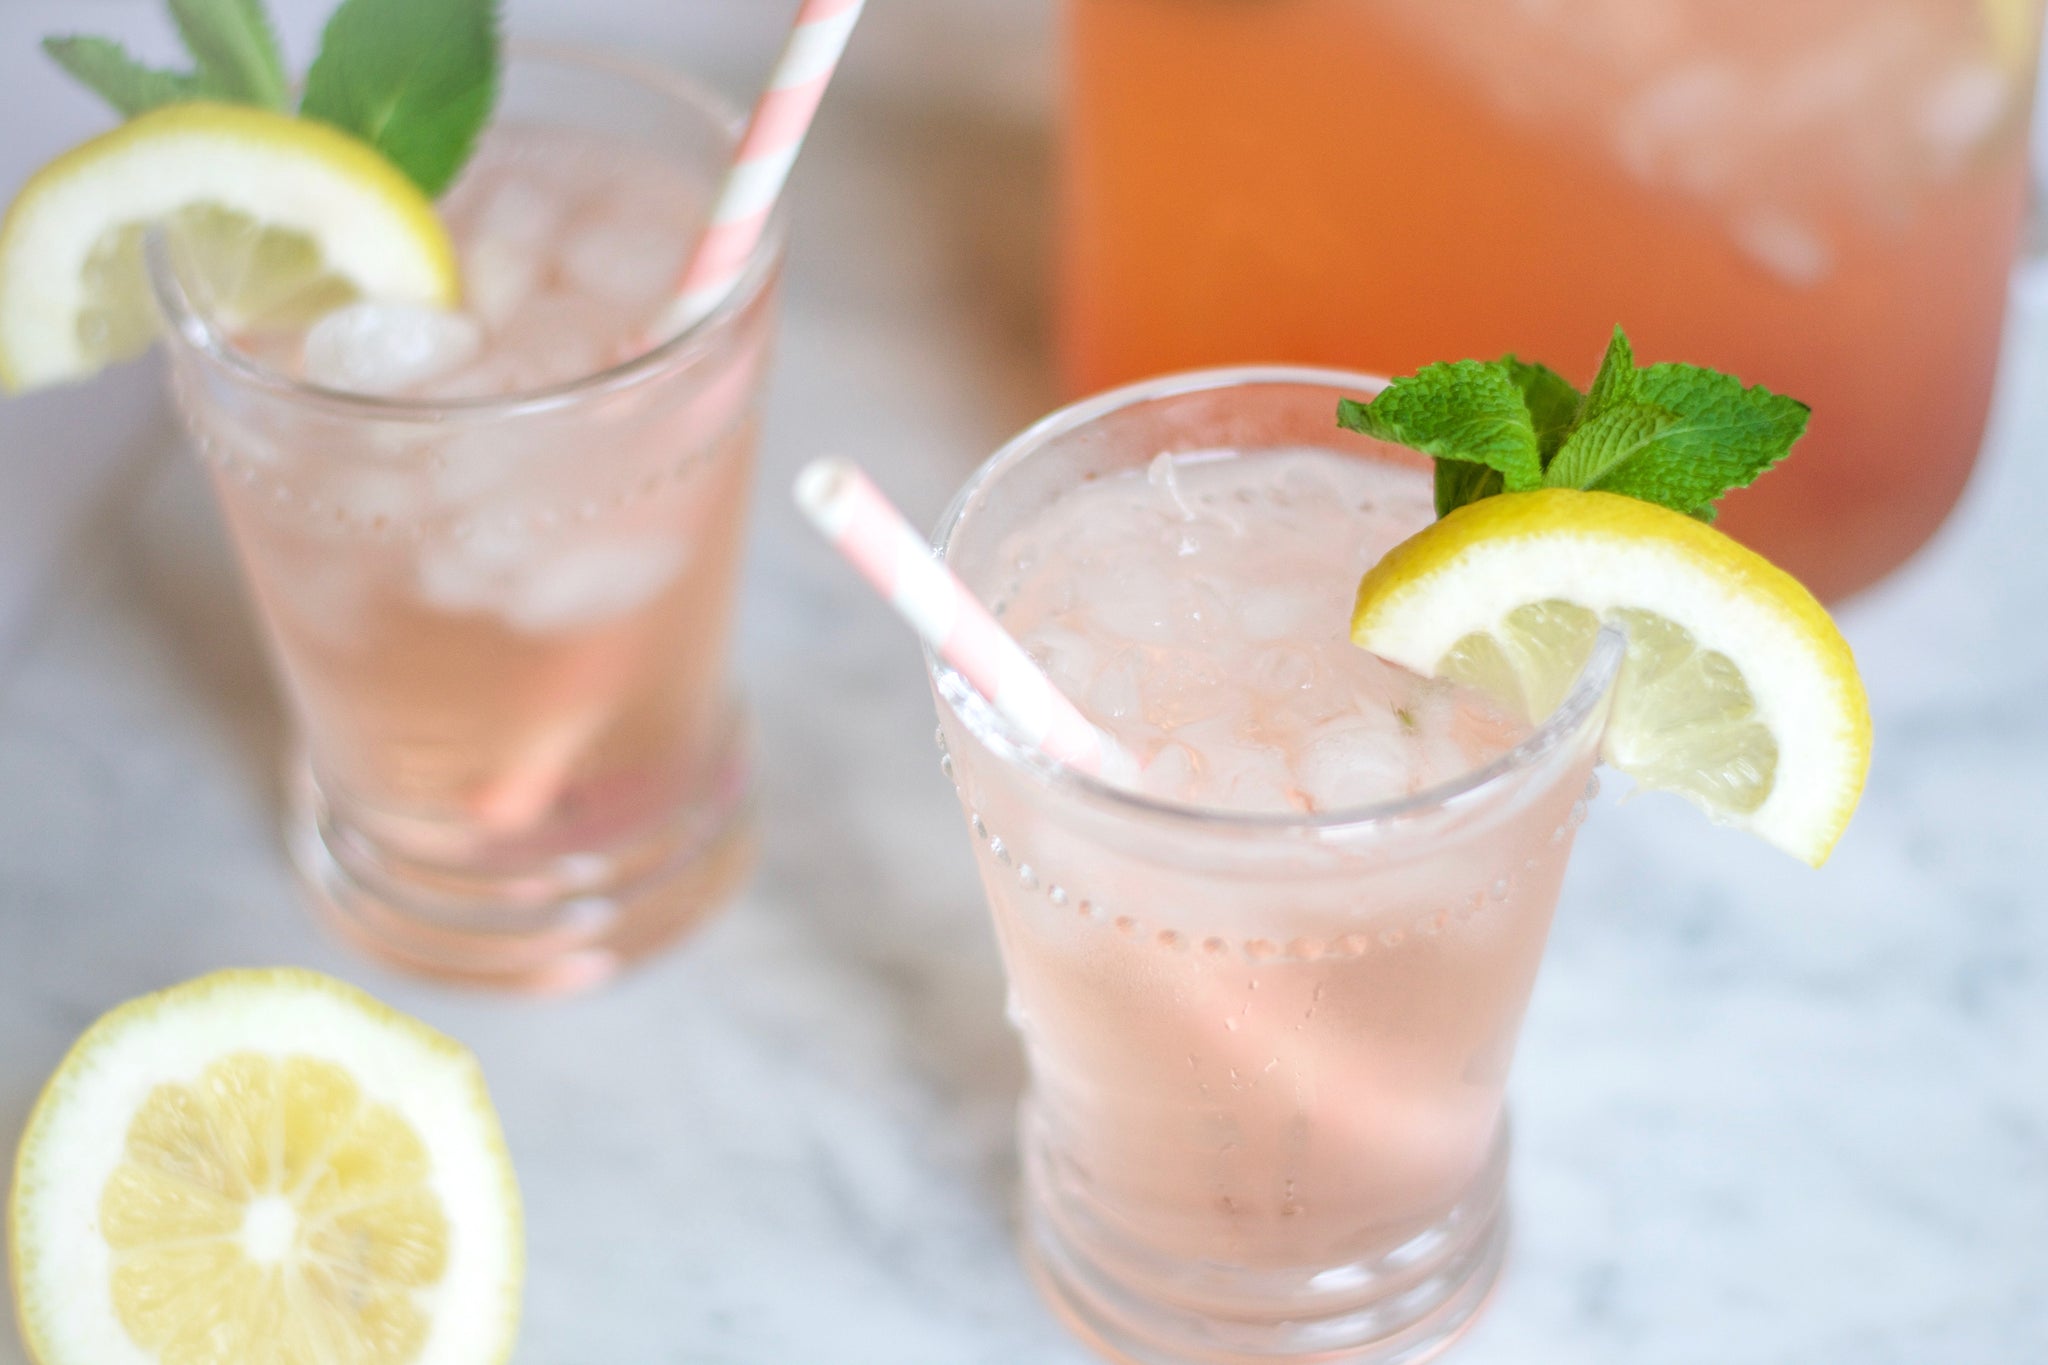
point(265, 1168)
point(277, 219)
point(1738, 692)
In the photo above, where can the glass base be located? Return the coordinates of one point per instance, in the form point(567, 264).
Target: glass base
point(561, 928)
point(1405, 1306)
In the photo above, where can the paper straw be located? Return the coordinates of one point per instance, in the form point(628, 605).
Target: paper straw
point(865, 526)
point(775, 134)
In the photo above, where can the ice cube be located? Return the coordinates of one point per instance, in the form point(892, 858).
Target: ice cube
point(623, 258)
point(1182, 686)
point(555, 338)
point(1258, 780)
point(1278, 613)
point(1793, 251)
point(1356, 760)
point(1115, 693)
point(521, 211)
point(589, 585)
point(1234, 771)
point(1171, 775)
point(1162, 476)
point(1684, 128)
point(387, 348)
point(1071, 659)
point(481, 461)
point(1152, 606)
point(1963, 109)
point(475, 571)
point(499, 275)
point(1284, 669)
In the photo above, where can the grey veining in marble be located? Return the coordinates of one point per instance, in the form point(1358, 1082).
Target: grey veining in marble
point(1763, 1114)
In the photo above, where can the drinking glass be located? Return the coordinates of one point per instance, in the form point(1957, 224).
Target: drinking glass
point(1267, 1051)
point(1823, 197)
point(501, 622)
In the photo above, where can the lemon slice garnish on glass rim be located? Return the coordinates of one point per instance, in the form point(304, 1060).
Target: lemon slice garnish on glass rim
point(265, 1166)
point(1738, 692)
point(277, 220)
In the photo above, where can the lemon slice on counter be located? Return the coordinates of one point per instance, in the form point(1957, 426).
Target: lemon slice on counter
point(265, 1168)
point(1738, 692)
point(277, 220)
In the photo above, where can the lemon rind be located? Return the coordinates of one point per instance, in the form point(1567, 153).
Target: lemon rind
point(59, 1265)
point(375, 227)
point(1604, 552)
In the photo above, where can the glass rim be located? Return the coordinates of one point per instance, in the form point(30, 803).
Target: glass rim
point(1588, 693)
point(185, 323)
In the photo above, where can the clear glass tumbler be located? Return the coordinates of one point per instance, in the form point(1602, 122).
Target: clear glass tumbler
point(1267, 1052)
point(502, 622)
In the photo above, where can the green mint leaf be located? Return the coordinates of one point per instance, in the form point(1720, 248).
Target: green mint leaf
point(1458, 483)
point(1469, 411)
point(235, 47)
point(1602, 448)
point(1676, 435)
point(1616, 381)
point(1553, 403)
point(105, 67)
point(1725, 437)
point(414, 78)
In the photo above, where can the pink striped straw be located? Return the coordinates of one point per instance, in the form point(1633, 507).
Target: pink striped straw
point(775, 134)
point(865, 526)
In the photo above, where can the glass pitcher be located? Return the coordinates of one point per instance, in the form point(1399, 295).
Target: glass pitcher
point(1824, 197)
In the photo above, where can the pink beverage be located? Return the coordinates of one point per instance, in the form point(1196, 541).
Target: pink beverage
point(496, 551)
point(1270, 1001)
point(1823, 196)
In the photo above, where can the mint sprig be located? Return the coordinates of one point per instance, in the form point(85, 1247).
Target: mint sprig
point(415, 79)
point(1680, 436)
point(104, 67)
point(235, 47)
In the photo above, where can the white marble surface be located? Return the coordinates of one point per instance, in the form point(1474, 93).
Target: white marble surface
point(1764, 1115)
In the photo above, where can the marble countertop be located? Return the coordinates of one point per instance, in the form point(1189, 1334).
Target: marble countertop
point(1763, 1114)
